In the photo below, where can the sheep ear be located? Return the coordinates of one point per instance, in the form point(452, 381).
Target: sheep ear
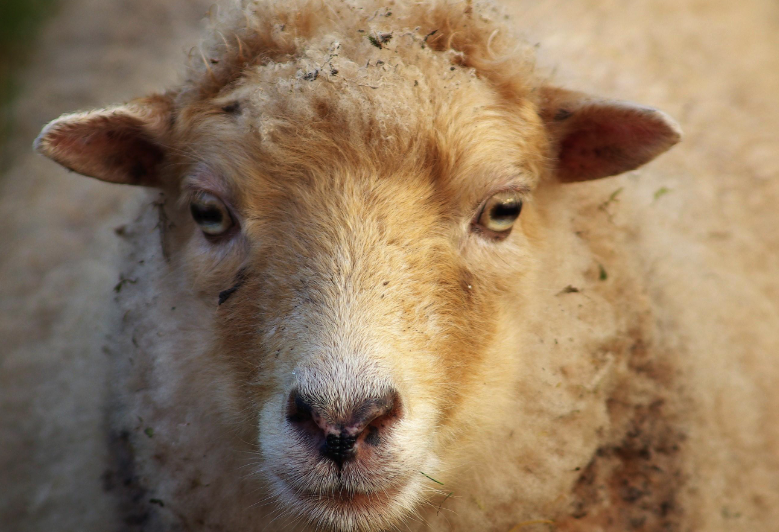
point(121, 144)
point(596, 138)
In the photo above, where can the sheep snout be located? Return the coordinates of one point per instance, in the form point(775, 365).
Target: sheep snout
point(346, 435)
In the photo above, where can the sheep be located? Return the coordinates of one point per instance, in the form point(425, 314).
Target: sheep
point(357, 316)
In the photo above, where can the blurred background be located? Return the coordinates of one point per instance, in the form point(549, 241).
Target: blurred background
point(712, 64)
point(19, 23)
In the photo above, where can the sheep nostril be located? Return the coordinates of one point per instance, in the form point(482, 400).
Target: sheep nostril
point(298, 410)
point(302, 416)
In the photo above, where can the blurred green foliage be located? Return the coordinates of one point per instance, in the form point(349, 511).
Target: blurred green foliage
point(19, 23)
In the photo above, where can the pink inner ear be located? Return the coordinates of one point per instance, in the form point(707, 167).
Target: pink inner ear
point(112, 148)
point(606, 140)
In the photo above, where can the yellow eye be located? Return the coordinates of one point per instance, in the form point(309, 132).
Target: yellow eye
point(499, 213)
point(211, 214)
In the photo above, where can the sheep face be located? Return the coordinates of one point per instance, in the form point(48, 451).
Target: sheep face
point(362, 304)
point(358, 216)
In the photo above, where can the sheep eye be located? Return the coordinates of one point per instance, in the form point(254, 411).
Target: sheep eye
point(499, 213)
point(211, 214)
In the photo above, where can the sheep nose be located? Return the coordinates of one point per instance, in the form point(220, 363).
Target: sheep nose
point(341, 436)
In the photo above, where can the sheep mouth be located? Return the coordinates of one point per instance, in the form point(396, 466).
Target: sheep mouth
point(345, 490)
point(342, 509)
point(350, 499)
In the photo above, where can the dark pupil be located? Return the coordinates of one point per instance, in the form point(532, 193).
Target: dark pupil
point(508, 210)
point(205, 215)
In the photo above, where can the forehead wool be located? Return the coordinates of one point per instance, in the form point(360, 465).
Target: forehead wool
point(312, 37)
point(312, 66)
point(312, 88)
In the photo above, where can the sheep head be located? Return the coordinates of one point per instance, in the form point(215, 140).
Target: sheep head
point(352, 199)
